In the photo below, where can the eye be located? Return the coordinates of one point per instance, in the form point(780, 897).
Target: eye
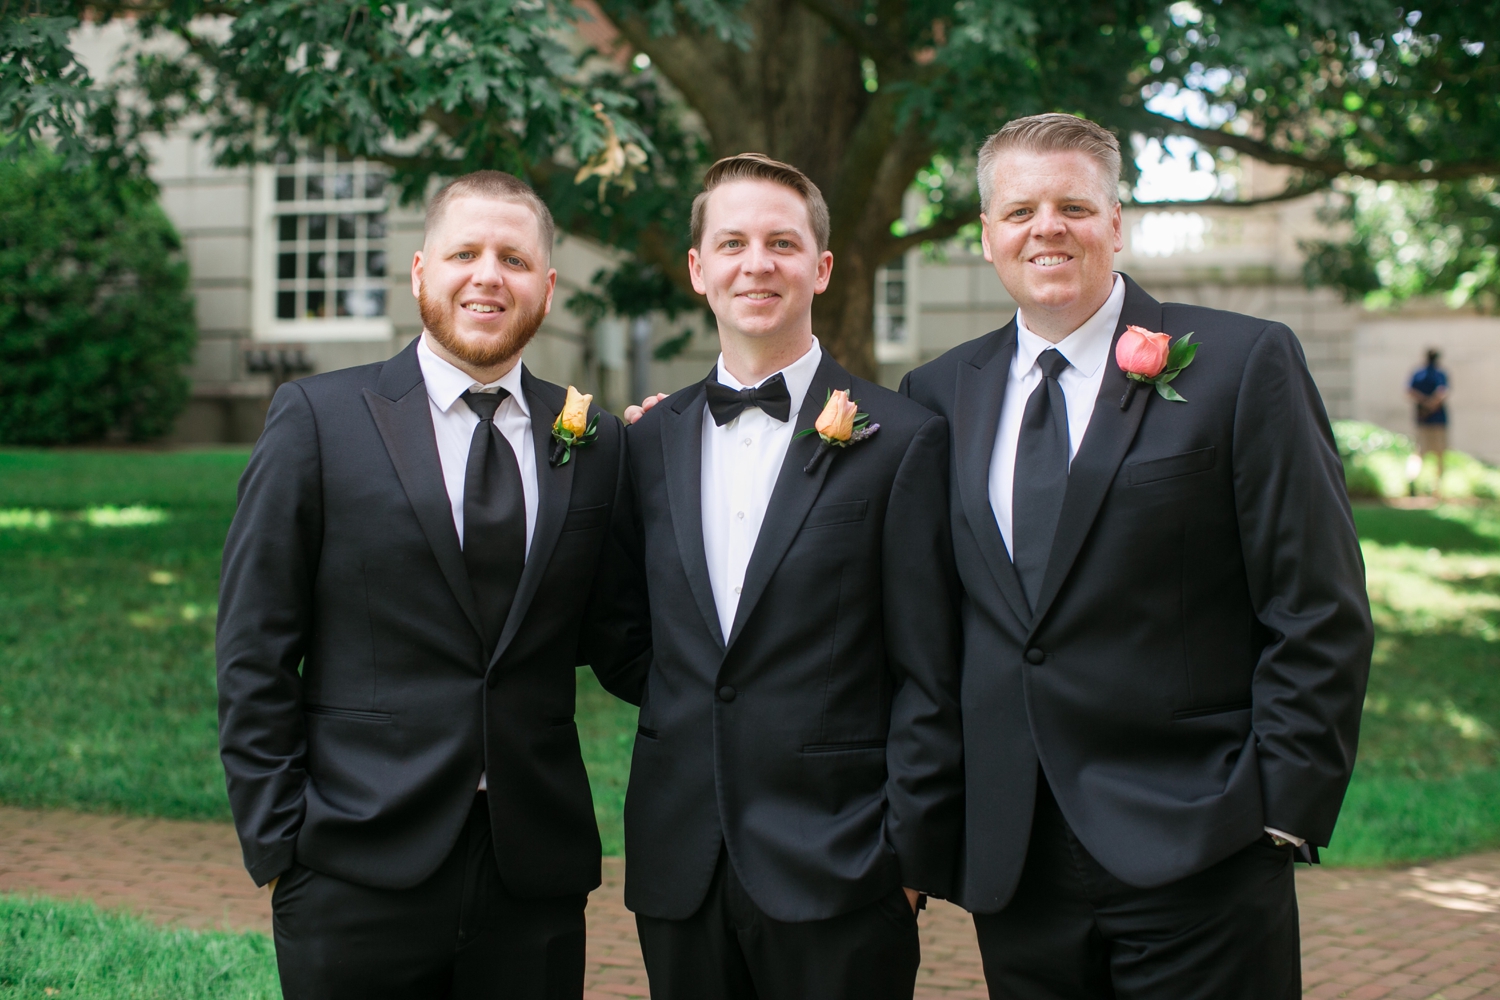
point(465, 255)
point(732, 244)
point(783, 245)
point(1020, 213)
point(515, 261)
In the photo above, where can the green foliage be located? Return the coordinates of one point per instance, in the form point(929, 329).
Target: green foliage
point(1409, 240)
point(96, 324)
point(49, 948)
point(1378, 464)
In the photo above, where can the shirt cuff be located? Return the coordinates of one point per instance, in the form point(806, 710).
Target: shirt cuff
point(1283, 835)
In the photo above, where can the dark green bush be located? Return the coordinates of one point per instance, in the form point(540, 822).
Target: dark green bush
point(96, 324)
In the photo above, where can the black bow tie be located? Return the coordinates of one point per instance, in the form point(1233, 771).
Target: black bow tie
point(771, 397)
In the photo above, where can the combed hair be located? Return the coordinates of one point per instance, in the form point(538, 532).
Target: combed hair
point(492, 184)
point(759, 167)
point(1050, 133)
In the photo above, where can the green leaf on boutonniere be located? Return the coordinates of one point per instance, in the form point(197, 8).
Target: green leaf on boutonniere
point(1167, 392)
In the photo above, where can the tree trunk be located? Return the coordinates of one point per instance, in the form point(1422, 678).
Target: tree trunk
point(798, 95)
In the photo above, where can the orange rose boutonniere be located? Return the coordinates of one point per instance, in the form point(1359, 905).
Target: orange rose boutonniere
point(1149, 358)
point(838, 426)
point(573, 428)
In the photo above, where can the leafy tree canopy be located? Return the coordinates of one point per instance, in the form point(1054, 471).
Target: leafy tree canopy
point(868, 96)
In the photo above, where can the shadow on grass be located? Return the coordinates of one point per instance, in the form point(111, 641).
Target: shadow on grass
point(1422, 529)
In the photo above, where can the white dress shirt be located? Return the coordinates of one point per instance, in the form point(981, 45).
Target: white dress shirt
point(741, 462)
point(1087, 350)
point(454, 423)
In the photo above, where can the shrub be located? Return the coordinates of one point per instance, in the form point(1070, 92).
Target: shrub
point(96, 325)
point(1375, 465)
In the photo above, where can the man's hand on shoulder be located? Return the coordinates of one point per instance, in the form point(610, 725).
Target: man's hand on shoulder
point(634, 413)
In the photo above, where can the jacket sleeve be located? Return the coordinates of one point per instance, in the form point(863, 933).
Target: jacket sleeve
point(1307, 584)
point(265, 617)
point(924, 748)
point(616, 639)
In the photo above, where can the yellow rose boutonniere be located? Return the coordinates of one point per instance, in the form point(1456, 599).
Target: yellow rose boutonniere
point(573, 428)
point(838, 426)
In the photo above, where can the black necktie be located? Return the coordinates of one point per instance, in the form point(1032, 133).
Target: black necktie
point(771, 396)
point(1041, 476)
point(494, 518)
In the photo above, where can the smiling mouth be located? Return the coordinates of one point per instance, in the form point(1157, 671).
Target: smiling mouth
point(760, 296)
point(1051, 259)
point(482, 308)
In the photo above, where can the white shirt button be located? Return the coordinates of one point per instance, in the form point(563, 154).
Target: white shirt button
point(747, 442)
point(736, 590)
point(740, 514)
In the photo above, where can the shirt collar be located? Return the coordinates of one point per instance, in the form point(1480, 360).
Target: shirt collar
point(445, 383)
point(1086, 348)
point(799, 375)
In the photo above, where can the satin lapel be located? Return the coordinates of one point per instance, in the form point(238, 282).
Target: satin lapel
point(554, 491)
point(793, 495)
point(682, 457)
point(400, 409)
point(976, 418)
point(1111, 430)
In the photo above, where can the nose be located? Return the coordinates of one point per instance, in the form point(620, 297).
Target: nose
point(758, 261)
point(487, 271)
point(1049, 221)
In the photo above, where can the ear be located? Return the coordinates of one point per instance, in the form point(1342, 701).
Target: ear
point(551, 288)
point(825, 272)
point(416, 275)
point(1119, 223)
point(984, 237)
point(695, 271)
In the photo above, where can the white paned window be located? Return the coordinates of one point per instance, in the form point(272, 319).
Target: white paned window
point(321, 255)
point(895, 339)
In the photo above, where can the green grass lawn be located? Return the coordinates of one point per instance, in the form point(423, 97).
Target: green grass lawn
point(51, 949)
point(108, 574)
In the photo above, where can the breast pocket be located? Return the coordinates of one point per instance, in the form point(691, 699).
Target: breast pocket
point(1171, 467)
point(580, 518)
point(836, 513)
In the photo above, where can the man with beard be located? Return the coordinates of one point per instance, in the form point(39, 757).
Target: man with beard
point(405, 590)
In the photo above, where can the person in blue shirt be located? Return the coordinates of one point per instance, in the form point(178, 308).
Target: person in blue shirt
point(1429, 391)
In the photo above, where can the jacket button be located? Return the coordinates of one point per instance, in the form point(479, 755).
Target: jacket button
point(494, 679)
point(726, 693)
point(1035, 656)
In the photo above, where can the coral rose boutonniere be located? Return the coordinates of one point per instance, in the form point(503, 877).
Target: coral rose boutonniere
point(1152, 359)
point(573, 428)
point(838, 426)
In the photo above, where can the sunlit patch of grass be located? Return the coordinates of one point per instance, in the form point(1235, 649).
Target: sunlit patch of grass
point(61, 950)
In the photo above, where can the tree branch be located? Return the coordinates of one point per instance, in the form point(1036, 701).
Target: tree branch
point(1290, 193)
point(1267, 153)
point(942, 229)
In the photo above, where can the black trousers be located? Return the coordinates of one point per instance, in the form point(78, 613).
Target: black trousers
point(730, 950)
point(457, 935)
point(1075, 932)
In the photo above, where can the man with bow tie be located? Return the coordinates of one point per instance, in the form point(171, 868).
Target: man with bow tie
point(796, 778)
point(1166, 633)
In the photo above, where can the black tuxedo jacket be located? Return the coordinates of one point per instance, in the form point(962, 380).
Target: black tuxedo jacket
point(1196, 663)
point(357, 708)
point(820, 744)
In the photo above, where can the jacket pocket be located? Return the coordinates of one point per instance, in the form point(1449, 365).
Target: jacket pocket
point(358, 714)
point(836, 513)
point(647, 732)
point(1157, 469)
point(1198, 713)
point(844, 747)
point(580, 518)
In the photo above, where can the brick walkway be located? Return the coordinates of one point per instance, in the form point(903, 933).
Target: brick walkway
point(1428, 933)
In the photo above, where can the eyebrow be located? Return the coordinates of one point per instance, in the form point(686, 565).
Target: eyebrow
point(722, 233)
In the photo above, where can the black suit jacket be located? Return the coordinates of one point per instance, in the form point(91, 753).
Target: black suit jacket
point(820, 744)
point(357, 708)
point(1196, 663)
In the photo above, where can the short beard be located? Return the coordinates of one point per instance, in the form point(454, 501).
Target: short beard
point(490, 352)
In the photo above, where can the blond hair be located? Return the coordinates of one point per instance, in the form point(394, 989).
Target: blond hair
point(1051, 133)
point(492, 184)
point(759, 167)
